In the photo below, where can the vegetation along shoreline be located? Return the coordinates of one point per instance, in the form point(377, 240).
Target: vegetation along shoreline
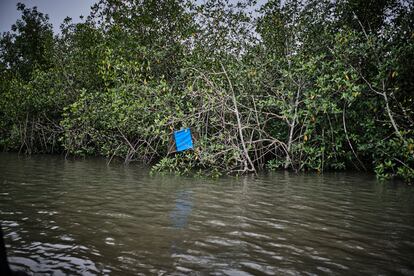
point(302, 85)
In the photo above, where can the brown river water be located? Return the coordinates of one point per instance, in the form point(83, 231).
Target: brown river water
point(84, 217)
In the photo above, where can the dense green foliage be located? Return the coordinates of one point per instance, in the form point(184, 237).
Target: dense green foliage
point(307, 85)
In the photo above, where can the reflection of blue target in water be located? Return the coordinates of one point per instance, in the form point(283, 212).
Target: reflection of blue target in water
point(182, 210)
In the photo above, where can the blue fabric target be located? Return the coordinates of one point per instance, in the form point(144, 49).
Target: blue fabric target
point(183, 140)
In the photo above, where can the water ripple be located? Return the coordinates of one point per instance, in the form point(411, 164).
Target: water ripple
point(82, 217)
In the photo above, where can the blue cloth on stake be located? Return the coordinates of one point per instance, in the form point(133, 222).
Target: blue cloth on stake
point(183, 140)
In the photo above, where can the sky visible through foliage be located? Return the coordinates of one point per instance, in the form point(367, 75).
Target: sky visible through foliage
point(56, 9)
